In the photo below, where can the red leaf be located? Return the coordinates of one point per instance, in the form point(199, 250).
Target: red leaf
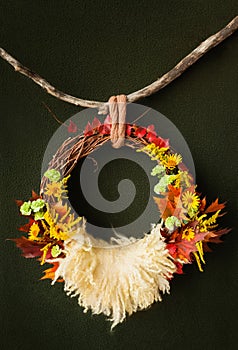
point(179, 266)
point(34, 196)
point(108, 120)
point(140, 132)
point(172, 248)
point(151, 137)
point(26, 227)
point(104, 129)
point(129, 129)
point(96, 123)
point(151, 128)
point(215, 206)
point(161, 142)
point(88, 130)
point(184, 248)
point(72, 127)
point(29, 248)
point(18, 202)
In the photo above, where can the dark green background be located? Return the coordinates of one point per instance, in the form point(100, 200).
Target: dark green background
point(94, 49)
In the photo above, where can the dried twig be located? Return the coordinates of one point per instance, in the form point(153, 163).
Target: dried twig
point(78, 147)
point(160, 83)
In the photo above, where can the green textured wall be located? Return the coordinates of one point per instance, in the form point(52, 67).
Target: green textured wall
point(94, 49)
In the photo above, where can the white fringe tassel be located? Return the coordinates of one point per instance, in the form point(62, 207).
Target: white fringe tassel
point(118, 279)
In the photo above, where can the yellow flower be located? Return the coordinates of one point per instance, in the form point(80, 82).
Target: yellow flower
point(190, 201)
point(55, 189)
point(33, 233)
point(188, 234)
point(172, 160)
point(153, 151)
point(54, 230)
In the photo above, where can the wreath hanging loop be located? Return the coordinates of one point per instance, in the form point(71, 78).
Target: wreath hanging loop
point(117, 110)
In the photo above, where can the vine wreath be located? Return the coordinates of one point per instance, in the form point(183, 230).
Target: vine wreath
point(130, 274)
point(126, 274)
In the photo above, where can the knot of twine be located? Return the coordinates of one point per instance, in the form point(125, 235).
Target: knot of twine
point(117, 110)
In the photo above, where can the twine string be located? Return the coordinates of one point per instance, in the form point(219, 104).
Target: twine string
point(117, 110)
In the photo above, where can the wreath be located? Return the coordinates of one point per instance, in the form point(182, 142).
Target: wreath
point(127, 274)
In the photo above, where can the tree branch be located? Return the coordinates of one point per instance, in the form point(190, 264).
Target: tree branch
point(157, 85)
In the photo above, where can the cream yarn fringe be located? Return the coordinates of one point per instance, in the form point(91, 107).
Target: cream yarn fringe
point(118, 279)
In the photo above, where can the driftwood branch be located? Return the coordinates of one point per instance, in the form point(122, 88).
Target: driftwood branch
point(160, 83)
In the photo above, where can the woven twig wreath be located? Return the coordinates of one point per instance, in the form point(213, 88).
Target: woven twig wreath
point(130, 274)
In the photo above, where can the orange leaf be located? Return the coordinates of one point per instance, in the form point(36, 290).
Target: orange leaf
point(202, 204)
point(215, 236)
point(50, 273)
point(215, 206)
point(18, 202)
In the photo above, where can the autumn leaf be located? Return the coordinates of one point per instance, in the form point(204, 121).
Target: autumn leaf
point(88, 130)
point(168, 205)
point(215, 206)
point(108, 120)
point(182, 249)
point(165, 207)
point(179, 266)
point(140, 132)
point(50, 273)
point(34, 196)
point(203, 203)
point(72, 127)
point(30, 249)
point(19, 202)
point(215, 236)
point(26, 227)
point(96, 123)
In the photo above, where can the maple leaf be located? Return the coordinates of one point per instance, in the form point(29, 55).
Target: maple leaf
point(140, 132)
point(215, 206)
point(19, 202)
point(202, 204)
point(34, 196)
point(161, 142)
point(182, 249)
point(104, 129)
point(72, 127)
point(96, 123)
point(30, 249)
point(108, 120)
point(215, 236)
point(26, 227)
point(129, 129)
point(88, 130)
point(50, 273)
point(168, 205)
point(165, 207)
point(151, 128)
